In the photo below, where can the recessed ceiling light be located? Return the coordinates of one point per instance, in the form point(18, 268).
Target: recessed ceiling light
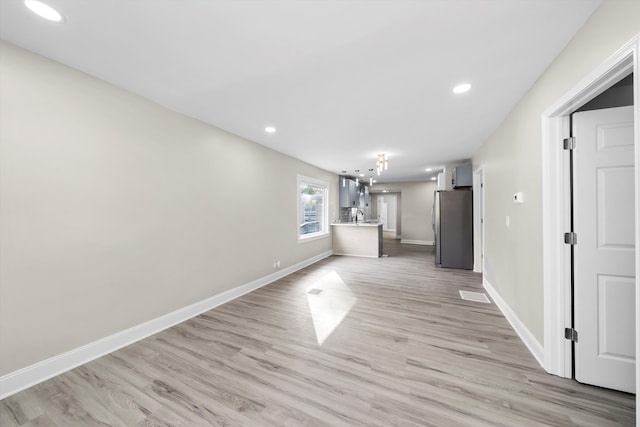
point(270, 129)
point(361, 174)
point(462, 88)
point(429, 169)
point(433, 178)
point(44, 11)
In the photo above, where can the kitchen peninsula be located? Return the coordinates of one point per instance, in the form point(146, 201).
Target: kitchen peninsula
point(357, 239)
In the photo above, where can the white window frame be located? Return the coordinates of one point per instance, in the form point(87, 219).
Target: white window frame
point(325, 214)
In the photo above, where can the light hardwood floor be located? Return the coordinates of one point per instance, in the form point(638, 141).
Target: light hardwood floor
point(398, 347)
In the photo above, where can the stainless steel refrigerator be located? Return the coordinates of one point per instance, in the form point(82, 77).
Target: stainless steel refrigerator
point(452, 220)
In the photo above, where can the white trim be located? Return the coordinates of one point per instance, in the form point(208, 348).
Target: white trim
point(555, 255)
point(302, 238)
point(29, 376)
point(555, 203)
point(357, 256)
point(418, 242)
point(313, 236)
point(523, 332)
point(478, 214)
point(636, 103)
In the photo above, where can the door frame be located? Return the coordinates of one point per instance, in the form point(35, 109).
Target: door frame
point(556, 203)
point(380, 201)
point(478, 215)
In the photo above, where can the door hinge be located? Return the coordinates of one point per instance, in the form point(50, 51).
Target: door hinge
point(571, 238)
point(569, 143)
point(571, 334)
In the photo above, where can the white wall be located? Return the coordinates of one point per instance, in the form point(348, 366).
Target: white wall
point(416, 202)
point(511, 159)
point(115, 211)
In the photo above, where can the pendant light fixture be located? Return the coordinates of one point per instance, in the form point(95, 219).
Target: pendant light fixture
point(383, 161)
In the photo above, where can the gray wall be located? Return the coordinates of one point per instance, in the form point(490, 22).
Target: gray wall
point(116, 211)
point(415, 203)
point(511, 159)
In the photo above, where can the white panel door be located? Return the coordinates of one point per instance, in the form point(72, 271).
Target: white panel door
point(392, 212)
point(604, 270)
point(382, 213)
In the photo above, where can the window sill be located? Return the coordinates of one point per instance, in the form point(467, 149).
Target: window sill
point(310, 237)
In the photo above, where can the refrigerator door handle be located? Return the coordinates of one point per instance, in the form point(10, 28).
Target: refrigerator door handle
point(433, 217)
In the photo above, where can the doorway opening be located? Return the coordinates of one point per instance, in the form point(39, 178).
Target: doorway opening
point(556, 193)
point(388, 213)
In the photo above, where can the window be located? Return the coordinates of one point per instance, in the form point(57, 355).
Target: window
point(312, 208)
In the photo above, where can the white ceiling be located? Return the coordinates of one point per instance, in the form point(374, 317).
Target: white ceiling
point(341, 80)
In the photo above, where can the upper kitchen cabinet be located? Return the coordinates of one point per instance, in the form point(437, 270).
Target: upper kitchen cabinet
point(462, 176)
point(364, 197)
point(349, 193)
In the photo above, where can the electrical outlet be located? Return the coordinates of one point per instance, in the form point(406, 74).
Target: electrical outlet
point(518, 197)
point(276, 265)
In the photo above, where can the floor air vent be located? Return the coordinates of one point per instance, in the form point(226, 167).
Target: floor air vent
point(474, 296)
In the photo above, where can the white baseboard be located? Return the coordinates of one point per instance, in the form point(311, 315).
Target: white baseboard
point(523, 332)
point(418, 242)
point(356, 255)
point(29, 376)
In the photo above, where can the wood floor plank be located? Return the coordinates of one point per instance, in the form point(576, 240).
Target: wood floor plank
point(380, 342)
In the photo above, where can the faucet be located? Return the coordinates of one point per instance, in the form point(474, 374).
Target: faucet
point(357, 212)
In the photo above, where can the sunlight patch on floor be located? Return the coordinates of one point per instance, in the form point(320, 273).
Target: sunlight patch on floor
point(329, 307)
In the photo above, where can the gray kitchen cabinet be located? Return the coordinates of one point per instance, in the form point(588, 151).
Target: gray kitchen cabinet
point(351, 195)
point(364, 197)
point(462, 176)
point(354, 194)
point(343, 192)
point(348, 193)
